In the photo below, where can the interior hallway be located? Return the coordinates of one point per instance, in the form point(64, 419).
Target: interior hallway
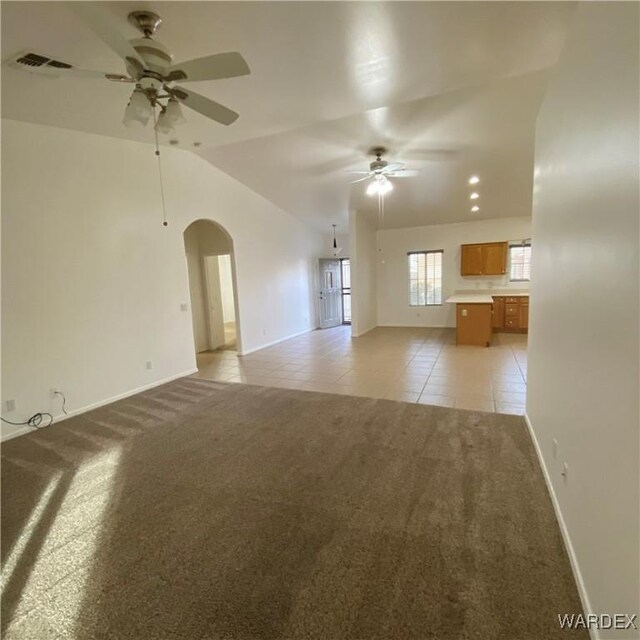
point(407, 364)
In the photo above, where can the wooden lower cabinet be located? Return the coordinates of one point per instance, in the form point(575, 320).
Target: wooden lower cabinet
point(510, 314)
point(523, 316)
point(497, 315)
point(473, 324)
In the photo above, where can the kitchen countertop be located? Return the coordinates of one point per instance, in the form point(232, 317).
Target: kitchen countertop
point(491, 292)
point(470, 298)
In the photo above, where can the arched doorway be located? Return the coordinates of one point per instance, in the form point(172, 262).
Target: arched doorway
point(212, 287)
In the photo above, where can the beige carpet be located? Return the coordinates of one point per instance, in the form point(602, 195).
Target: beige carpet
point(200, 510)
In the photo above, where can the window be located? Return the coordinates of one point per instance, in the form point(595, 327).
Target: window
point(345, 270)
point(520, 262)
point(425, 278)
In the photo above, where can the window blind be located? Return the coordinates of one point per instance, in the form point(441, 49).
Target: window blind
point(425, 278)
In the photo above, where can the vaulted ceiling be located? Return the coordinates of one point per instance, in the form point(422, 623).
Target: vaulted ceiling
point(451, 88)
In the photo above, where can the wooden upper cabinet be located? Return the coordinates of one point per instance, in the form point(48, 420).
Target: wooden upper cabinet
point(494, 259)
point(471, 263)
point(486, 259)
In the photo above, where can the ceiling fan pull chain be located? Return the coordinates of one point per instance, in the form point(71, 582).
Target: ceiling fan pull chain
point(155, 133)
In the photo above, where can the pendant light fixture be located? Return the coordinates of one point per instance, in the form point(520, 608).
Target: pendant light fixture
point(336, 249)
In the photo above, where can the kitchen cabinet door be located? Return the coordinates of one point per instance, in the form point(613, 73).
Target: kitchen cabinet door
point(473, 324)
point(523, 315)
point(494, 259)
point(471, 260)
point(497, 319)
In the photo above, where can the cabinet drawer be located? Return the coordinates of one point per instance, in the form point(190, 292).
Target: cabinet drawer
point(511, 310)
point(512, 300)
point(511, 322)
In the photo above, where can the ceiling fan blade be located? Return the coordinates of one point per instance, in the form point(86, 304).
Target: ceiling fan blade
point(362, 173)
point(430, 154)
point(403, 173)
point(205, 106)
point(215, 67)
point(359, 180)
point(103, 25)
point(393, 166)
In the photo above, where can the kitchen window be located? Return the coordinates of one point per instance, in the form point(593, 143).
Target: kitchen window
point(425, 278)
point(520, 262)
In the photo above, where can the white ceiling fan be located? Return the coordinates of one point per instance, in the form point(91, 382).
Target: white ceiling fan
point(149, 66)
point(380, 171)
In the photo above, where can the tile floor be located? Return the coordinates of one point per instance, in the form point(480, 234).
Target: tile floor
point(412, 365)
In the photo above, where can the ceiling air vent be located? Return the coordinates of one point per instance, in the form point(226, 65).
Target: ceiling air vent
point(37, 63)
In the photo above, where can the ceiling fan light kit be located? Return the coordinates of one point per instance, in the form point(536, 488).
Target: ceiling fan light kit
point(138, 110)
point(379, 185)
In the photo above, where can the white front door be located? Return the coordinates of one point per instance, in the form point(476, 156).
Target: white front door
point(330, 294)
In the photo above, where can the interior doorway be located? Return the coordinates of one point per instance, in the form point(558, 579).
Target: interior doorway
point(212, 288)
point(221, 310)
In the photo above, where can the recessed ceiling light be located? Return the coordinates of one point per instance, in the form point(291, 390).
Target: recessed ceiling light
point(474, 196)
point(476, 208)
point(474, 180)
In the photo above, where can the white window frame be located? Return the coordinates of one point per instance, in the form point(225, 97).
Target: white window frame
point(519, 245)
point(435, 300)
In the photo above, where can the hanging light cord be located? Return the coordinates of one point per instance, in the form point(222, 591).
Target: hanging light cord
point(380, 207)
point(155, 131)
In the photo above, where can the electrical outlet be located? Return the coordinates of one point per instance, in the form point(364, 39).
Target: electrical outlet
point(555, 449)
point(10, 405)
point(149, 364)
point(184, 307)
point(264, 332)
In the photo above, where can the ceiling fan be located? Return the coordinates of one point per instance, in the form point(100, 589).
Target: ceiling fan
point(380, 171)
point(150, 67)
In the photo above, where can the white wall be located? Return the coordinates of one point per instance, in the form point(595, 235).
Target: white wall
point(393, 269)
point(363, 254)
point(92, 282)
point(583, 341)
point(197, 293)
point(226, 288)
point(213, 300)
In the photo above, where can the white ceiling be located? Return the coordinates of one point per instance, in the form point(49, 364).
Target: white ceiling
point(452, 88)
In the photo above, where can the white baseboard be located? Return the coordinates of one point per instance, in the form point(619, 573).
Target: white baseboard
point(575, 568)
point(275, 342)
point(18, 432)
point(61, 417)
point(361, 333)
